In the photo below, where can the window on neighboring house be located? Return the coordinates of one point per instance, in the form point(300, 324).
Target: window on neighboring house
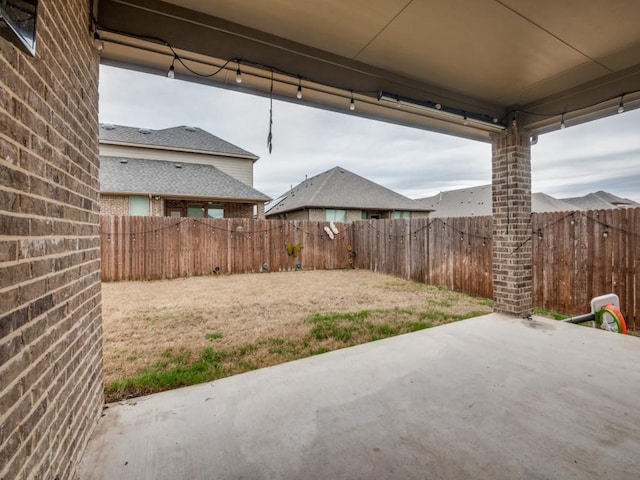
point(401, 214)
point(139, 206)
point(336, 215)
point(202, 210)
point(215, 211)
point(370, 215)
point(195, 210)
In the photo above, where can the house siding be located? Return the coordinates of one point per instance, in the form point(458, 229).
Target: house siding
point(239, 168)
point(51, 377)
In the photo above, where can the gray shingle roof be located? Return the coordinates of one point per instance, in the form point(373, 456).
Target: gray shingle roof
point(340, 188)
point(175, 138)
point(155, 177)
point(600, 200)
point(476, 201)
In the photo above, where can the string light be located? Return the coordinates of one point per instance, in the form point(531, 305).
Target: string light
point(352, 105)
point(562, 125)
point(238, 75)
point(621, 106)
point(299, 92)
point(98, 43)
point(172, 69)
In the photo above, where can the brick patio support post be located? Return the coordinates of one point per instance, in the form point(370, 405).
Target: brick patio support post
point(511, 195)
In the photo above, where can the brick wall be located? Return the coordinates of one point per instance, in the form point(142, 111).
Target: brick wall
point(157, 207)
point(512, 254)
point(50, 308)
point(237, 210)
point(114, 205)
point(260, 212)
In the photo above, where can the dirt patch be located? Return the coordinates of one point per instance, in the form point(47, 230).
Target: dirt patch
point(250, 321)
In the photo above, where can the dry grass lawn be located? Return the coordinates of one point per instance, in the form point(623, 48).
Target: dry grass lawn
point(200, 328)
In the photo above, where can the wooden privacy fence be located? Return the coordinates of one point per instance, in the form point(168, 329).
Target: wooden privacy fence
point(580, 255)
point(576, 255)
point(454, 253)
point(149, 248)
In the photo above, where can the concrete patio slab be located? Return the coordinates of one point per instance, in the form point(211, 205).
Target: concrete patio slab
point(487, 398)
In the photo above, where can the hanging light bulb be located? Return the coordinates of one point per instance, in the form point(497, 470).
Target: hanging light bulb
point(238, 75)
point(352, 104)
point(299, 92)
point(465, 119)
point(621, 106)
point(172, 69)
point(562, 125)
point(97, 42)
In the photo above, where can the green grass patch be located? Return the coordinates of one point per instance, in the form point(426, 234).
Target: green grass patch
point(213, 336)
point(319, 351)
point(338, 326)
point(176, 369)
point(541, 312)
point(246, 349)
point(416, 326)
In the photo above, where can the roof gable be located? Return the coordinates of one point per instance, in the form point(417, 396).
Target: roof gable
point(340, 188)
point(183, 138)
point(155, 177)
point(600, 200)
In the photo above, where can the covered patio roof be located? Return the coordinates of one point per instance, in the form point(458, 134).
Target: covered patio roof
point(462, 67)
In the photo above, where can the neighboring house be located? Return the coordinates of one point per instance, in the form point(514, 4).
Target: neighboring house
point(175, 172)
point(600, 200)
point(342, 196)
point(476, 201)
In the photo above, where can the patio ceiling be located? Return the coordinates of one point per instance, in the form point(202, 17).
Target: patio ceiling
point(422, 63)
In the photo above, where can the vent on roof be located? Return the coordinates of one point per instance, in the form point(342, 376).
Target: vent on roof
point(124, 160)
point(144, 131)
point(178, 165)
point(108, 126)
point(190, 129)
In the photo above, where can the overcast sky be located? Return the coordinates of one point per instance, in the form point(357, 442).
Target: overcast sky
point(601, 155)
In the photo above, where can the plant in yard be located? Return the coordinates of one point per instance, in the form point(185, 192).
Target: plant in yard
point(293, 250)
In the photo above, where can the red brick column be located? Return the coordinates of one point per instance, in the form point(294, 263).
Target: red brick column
point(511, 193)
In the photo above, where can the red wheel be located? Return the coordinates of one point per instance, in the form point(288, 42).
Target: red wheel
point(610, 318)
